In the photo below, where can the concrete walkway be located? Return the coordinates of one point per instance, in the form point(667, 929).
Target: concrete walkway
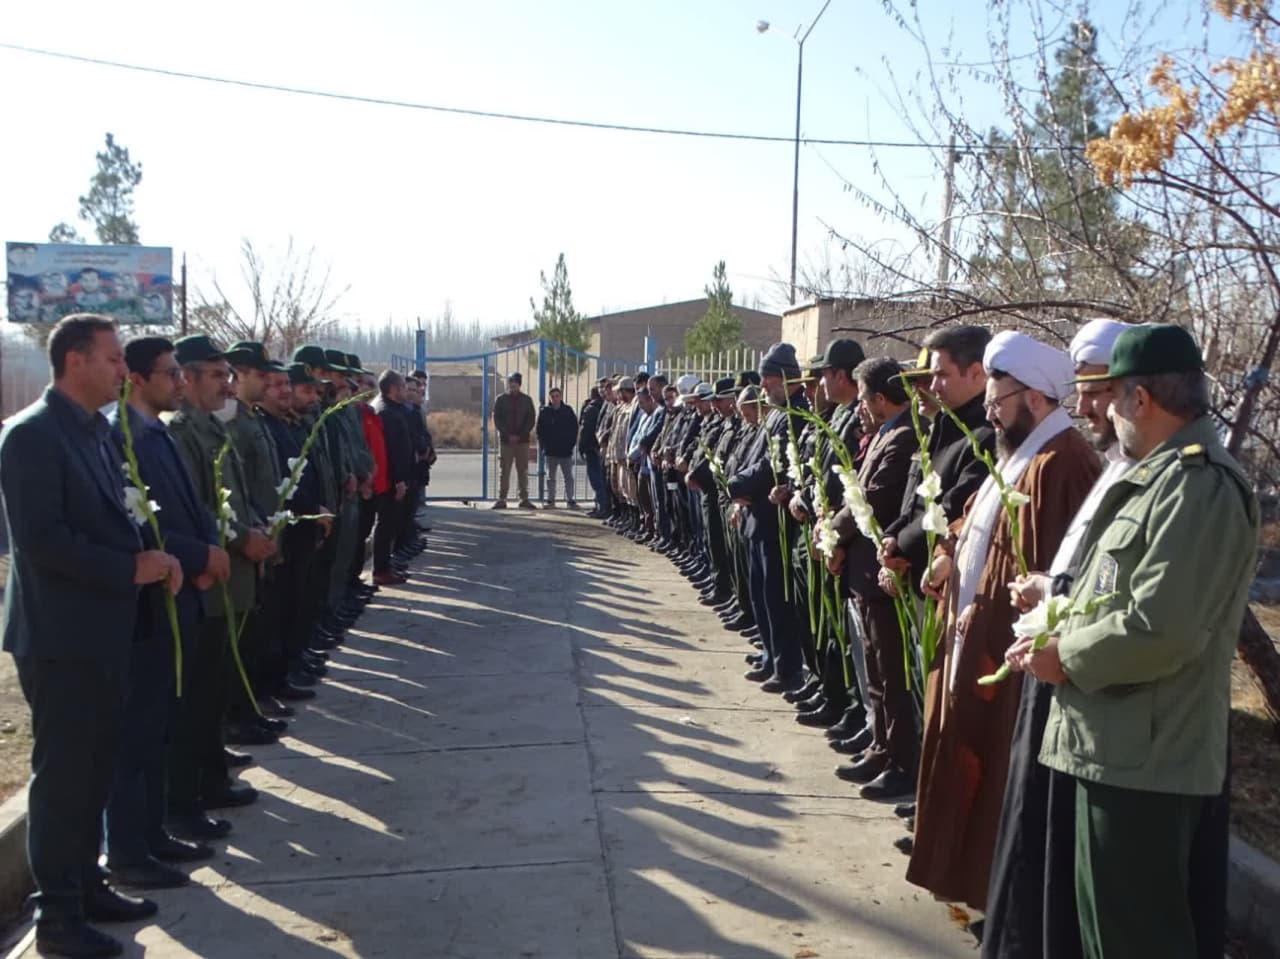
point(542, 747)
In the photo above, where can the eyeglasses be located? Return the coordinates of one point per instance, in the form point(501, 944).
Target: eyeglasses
point(992, 405)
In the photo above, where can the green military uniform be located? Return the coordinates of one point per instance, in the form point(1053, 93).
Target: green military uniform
point(1141, 722)
point(199, 436)
point(259, 457)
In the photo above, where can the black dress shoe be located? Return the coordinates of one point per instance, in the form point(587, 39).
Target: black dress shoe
point(276, 726)
point(74, 938)
point(856, 744)
point(815, 700)
point(854, 721)
point(294, 694)
point(904, 845)
point(905, 810)
point(713, 600)
point(299, 677)
point(197, 826)
point(172, 849)
point(236, 759)
point(104, 904)
point(864, 770)
point(779, 684)
point(148, 874)
point(758, 675)
point(272, 708)
point(825, 716)
point(847, 747)
point(740, 623)
point(229, 796)
point(804, 692)
point(248, 734)
point(750, 632)
point(755, 658)
point(891, 784)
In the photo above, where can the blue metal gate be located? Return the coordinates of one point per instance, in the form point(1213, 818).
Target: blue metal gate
point(461, 391)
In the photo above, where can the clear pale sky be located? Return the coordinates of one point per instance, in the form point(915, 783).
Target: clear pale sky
point(412, 208)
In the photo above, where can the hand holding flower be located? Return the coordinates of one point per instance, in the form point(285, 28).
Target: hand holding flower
point(1027, 592)
point(152, 566)
point(780, 495)
point(798, 512)
point(935, 579)
point(217, 567)
point(258, 546)
point(1042, 662)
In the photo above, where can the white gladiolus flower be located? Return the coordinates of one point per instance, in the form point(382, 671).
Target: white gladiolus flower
point(1044, 619)
point(280, 520)
point(848, 482)
point(935, 519)
point(293, 462)
point(930, 487)
point(1013, 499)
point(826, 540)
point(136, 502)
point(794, 470)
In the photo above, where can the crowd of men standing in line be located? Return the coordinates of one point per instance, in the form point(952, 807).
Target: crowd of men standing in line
point(1079, 805)
point(122, 764)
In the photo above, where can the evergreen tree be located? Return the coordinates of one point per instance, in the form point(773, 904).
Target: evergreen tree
point(558, 321)
point(718, 330)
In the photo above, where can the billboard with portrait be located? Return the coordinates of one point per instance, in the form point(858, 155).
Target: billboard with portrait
point(47, 281)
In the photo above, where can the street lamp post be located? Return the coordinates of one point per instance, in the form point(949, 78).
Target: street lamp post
point(762, 26)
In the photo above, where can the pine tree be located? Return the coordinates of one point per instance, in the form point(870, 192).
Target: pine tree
point(558, 321)
point(718, 330)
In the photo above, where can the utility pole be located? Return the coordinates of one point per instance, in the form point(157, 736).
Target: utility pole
point(948, 201)
point(184, 294)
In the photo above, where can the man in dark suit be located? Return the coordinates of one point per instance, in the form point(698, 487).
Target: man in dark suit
point(887, 769)
point(137, 845)
point(76, 564)
point(782, 668)
point(400, 459)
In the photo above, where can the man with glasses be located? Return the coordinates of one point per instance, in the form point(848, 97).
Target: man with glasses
point(138, 847)
point(968, 727)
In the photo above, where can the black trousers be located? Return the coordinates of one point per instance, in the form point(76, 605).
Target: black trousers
point(136, 809)
point(407, 531)
point(388, 528)
point(368, 514)
point(76, 712)
point(893, 721)
point(717, 550)
point(197, 763)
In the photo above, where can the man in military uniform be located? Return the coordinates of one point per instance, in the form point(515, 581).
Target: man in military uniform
point(1143, 680)
point(260, 642)
point(737, 614)
point(701, 480)
point(198, 772)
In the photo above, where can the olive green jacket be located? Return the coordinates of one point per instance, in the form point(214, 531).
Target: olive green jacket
point(258, 455)
point(1148, 695)
point(199, 436)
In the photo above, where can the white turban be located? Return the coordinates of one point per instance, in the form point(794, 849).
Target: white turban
point(1035, 364)
point(1091, 346)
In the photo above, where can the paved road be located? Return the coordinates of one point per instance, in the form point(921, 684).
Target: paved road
point(524, 754)
point(458, 475)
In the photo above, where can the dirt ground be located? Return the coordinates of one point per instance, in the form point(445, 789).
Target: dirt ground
point(15, 718)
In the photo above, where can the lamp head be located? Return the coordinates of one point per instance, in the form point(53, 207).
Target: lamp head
point(762, 26)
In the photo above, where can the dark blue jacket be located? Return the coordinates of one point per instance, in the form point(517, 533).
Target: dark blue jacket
point(755, 477)
point(70, 593)
point(186, 525)
point(557, 430)
point(397, 428)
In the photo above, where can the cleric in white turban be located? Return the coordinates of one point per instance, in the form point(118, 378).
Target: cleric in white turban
point(1091, 346)
point(1034, 364)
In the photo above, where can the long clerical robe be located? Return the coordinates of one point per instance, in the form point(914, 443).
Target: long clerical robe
point(968, 728)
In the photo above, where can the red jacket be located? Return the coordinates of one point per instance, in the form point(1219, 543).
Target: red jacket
point(377, 440)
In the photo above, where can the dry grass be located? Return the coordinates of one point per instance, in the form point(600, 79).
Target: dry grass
point(456, 429)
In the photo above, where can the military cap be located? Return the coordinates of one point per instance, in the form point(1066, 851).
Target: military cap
point(311, 355)
point(842, 354)
point(704, 391)
point(298, 375)
point(355, 366)
point(336, 361)
point(1150, 350)
point(195, 348)
point(625, 383)
point(724, 388)
point(687, 384)
point(248, 353)
point(922, 368)
point(747, 378)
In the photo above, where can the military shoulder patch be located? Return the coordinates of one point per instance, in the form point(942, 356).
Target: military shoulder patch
point(1192, 454)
